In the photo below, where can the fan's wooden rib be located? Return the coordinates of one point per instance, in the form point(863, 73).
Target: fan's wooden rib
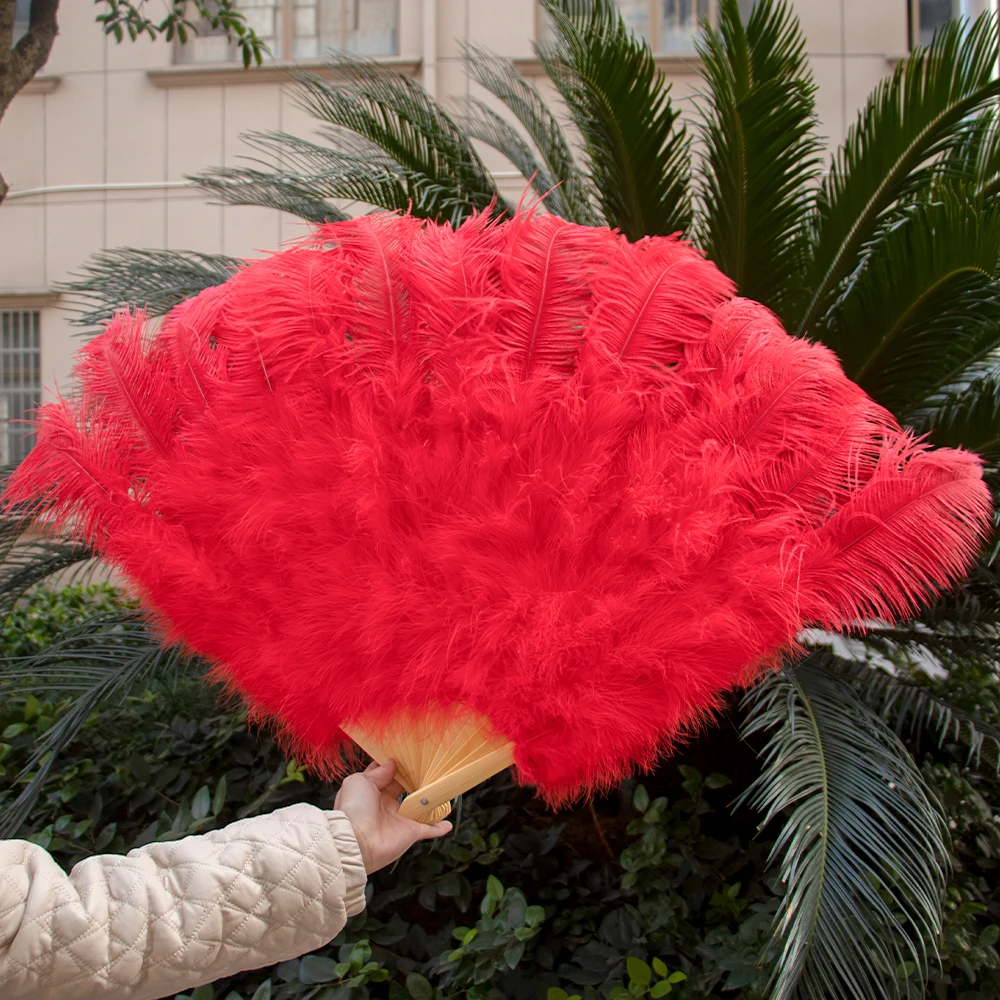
point(453, 750)
point(419, 804)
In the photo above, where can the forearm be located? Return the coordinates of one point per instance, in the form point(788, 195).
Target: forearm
point(172, 916)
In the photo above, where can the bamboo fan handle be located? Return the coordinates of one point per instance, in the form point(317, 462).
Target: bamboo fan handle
point(423, 804)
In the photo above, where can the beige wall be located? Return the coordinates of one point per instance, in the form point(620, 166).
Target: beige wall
point(102, 115)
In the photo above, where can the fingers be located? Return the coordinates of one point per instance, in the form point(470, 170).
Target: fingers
point(394, 789)
point(381, 775)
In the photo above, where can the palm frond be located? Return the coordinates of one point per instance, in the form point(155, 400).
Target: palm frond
point(395, 115)
point(966, 416)
point(761, 151)
point(911, 709)
point(29, 563)
point(911, 119)
point(481, 122)
point(574, 197)
point(923, 304)
point(292, 193)
point(156, 280)
point(638, 152)
point(862, 847)
point(99, 661)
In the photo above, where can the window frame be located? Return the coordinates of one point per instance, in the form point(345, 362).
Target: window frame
point(913, 18)
point(285, 18)
point(655, 27)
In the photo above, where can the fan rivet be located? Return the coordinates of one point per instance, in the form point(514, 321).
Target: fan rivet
point(423, 802)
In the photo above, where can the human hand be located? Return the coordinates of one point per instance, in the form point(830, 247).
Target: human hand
point(369, 800)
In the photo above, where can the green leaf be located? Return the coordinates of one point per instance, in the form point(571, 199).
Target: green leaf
point(638, 971)
point(418, 987)
point(640, 798)
point(314, 969)
point(512, 954)
point(863, 847)
point(139, 768)
point(638, 151)
point(263, 992)
point(494, 888)
point(913, 117)
point(761, 151)
point(661, 989)
point(659, 966)
point(219, 799)
point(201, 805)
point(677, 977)
point(716, 780)
point(989, 936)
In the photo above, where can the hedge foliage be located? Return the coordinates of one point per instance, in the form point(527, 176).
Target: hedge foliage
point(660, 890)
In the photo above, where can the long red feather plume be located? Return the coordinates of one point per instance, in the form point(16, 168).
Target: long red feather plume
point(528, 468)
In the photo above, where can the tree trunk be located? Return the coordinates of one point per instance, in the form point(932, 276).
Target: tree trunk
point(19, 63)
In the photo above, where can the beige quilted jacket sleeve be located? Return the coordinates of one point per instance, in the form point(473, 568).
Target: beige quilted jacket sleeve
point(171, 916)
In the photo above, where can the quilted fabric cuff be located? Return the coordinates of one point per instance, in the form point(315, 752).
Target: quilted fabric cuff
point(355, 876)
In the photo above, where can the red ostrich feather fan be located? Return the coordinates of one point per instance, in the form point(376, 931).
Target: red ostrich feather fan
point(517, 489)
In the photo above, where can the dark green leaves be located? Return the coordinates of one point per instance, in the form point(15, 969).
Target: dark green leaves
point(923, 305)
point(638, 152)
point(862, 848)
point(573, 197)
point(390, 118)
point(911, 118)
point(761, 151)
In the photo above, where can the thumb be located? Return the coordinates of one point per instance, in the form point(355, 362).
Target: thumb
point(434, 830)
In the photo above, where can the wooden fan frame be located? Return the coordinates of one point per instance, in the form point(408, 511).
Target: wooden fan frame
point(454, 752)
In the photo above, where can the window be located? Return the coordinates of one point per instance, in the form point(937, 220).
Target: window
point(926, 16)
point(20, 380)
point(305, 29)
point(22, 15)
point(669, 25)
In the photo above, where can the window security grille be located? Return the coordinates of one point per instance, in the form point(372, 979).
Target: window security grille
point(20, 380)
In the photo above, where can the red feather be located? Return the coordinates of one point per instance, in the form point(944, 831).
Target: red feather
point(525, 467)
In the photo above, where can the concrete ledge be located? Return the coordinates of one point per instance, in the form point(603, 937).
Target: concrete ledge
point(672, 65)
point(41, 84)
point(27, 298)
point(224, 74)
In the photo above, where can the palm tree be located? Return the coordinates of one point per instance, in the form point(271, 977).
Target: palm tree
point(888, 253)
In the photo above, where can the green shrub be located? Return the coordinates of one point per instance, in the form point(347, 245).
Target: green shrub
point(518, 901)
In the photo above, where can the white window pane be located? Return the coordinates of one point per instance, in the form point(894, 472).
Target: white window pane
point(635, 14)
point(372, 27)
point(933, 14)
point(211, 45)
point(680, 25)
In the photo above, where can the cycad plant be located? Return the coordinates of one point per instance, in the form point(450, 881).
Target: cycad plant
point(888, 253)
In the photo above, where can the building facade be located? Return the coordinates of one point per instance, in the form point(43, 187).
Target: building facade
point(97, 147)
